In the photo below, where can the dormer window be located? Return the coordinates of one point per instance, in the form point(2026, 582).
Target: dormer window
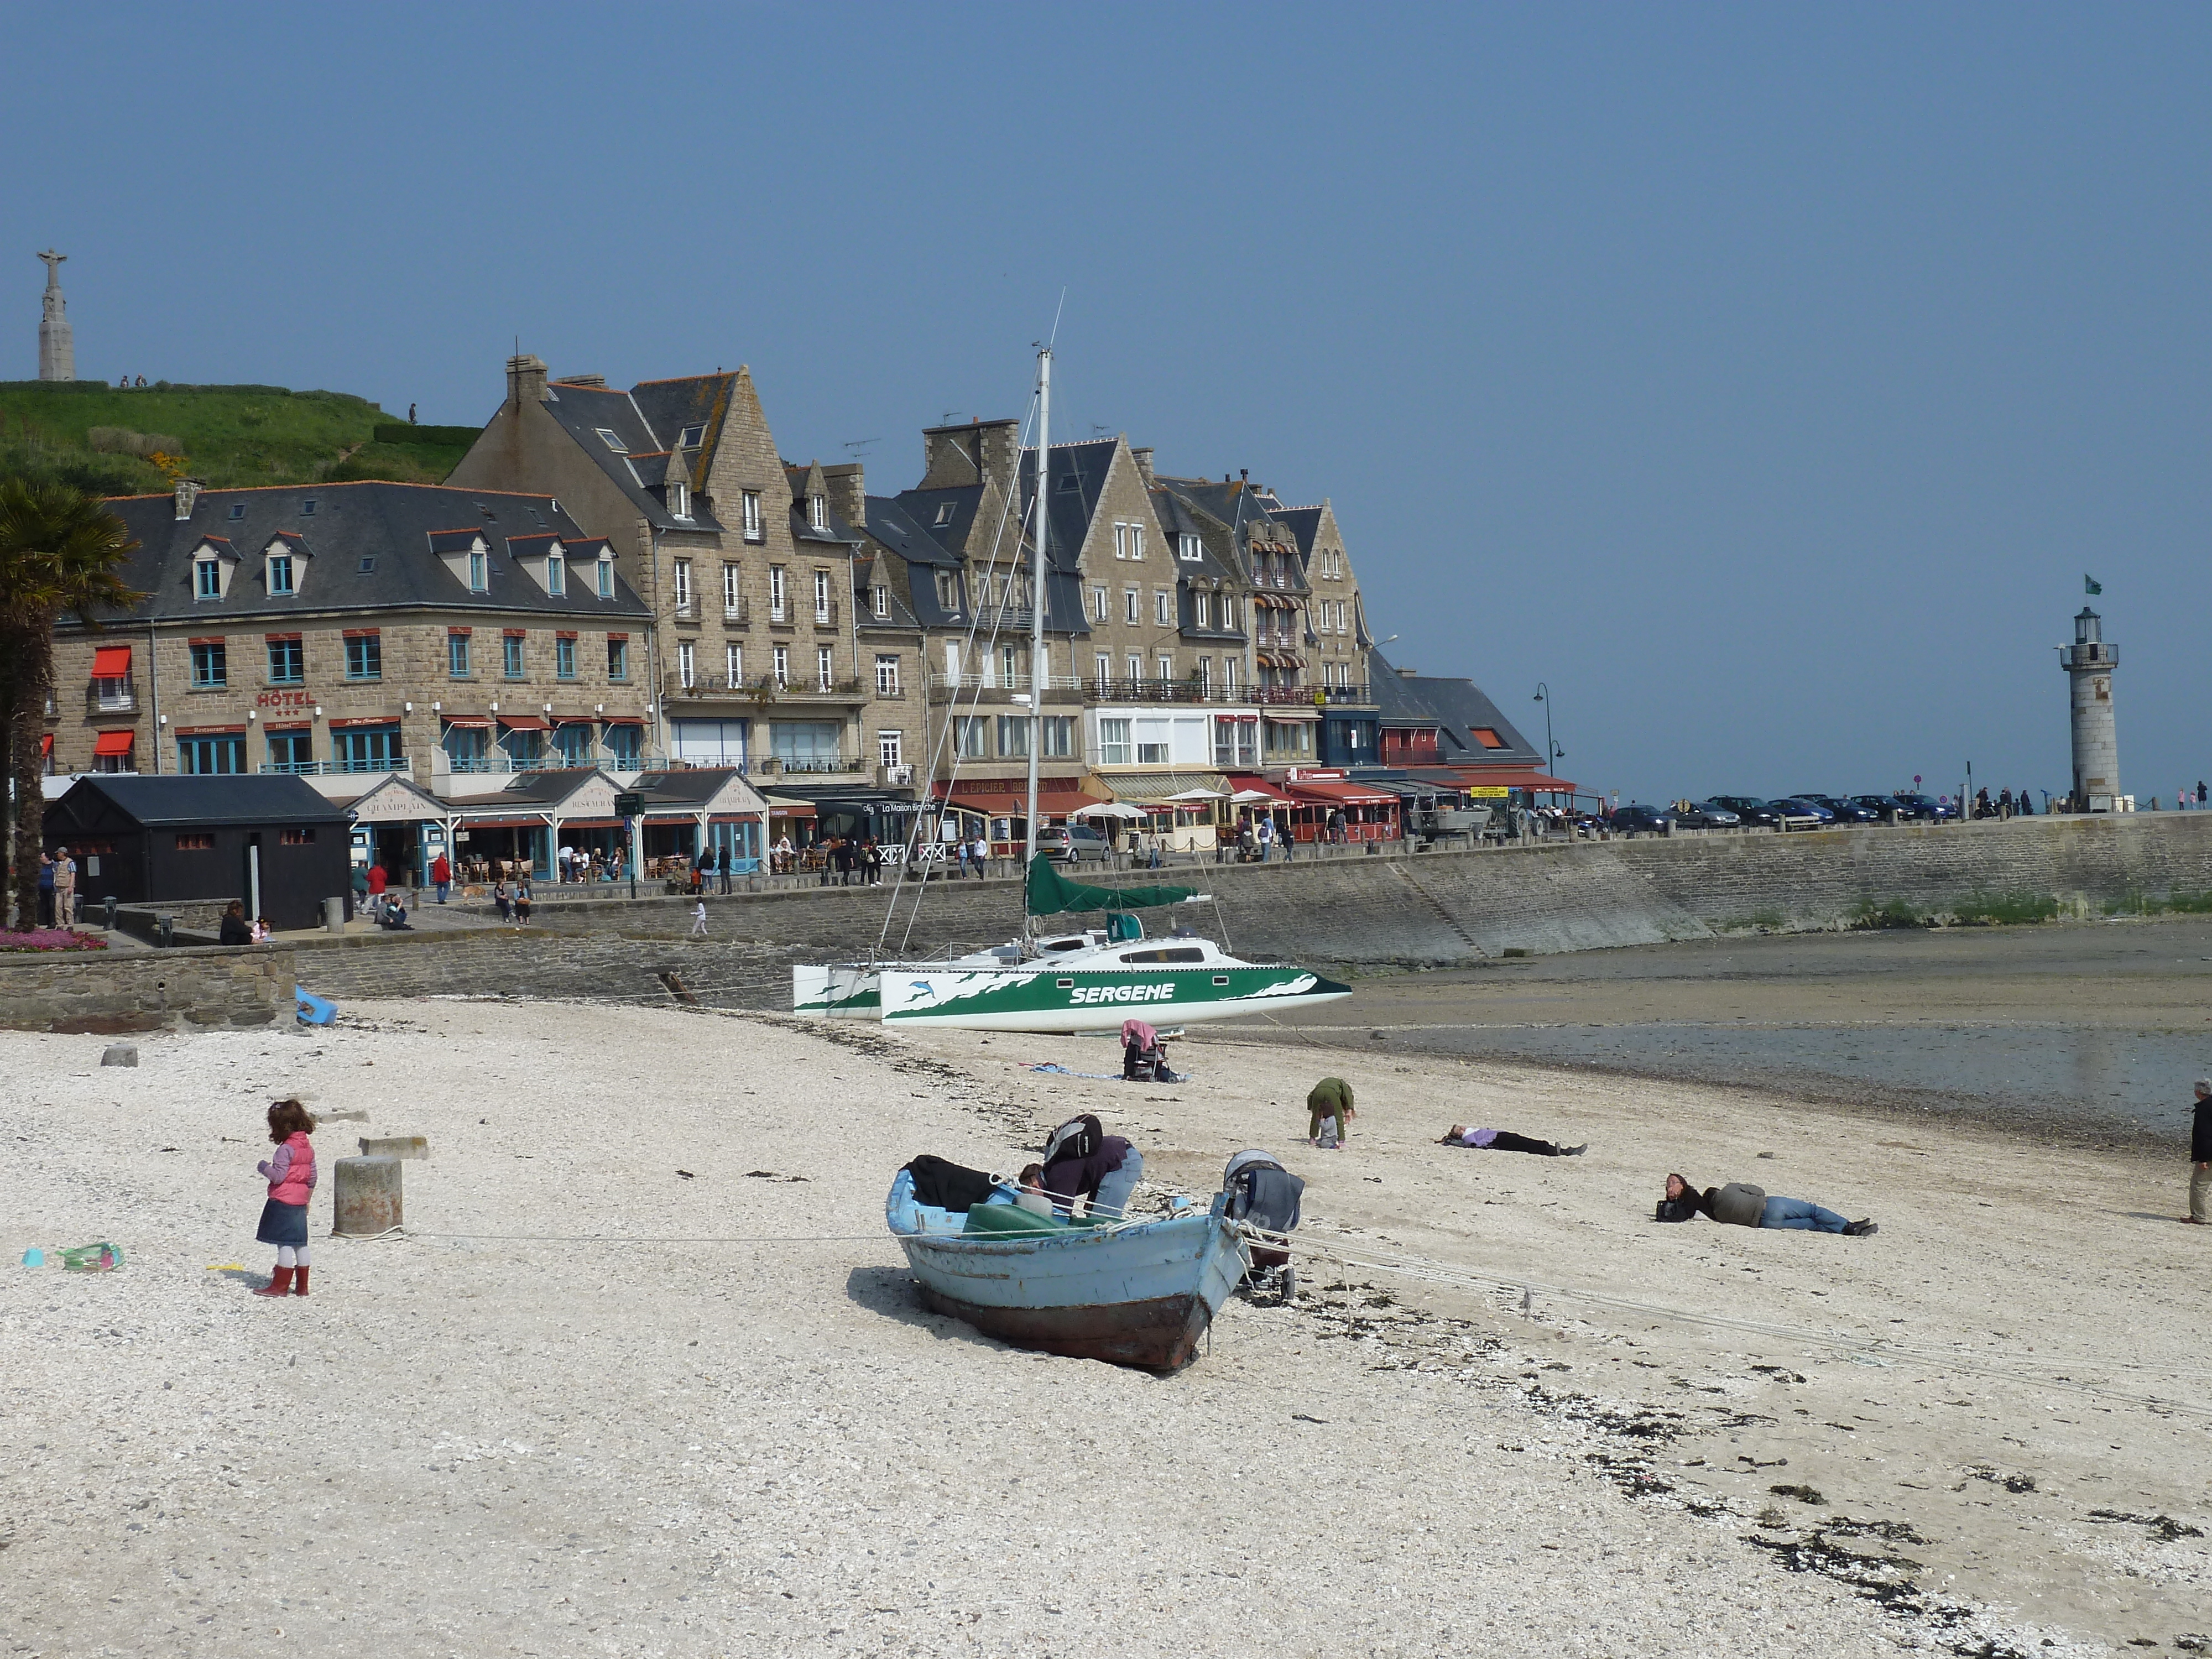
point(280, 574)
point(479, 573)
point(818, 512)
point(1189, 547)
point(613, 443)
point(207, 579)
point(679, 500)
point(880, 599)
point(692, 437)
point(606, 568)
point(556, 575)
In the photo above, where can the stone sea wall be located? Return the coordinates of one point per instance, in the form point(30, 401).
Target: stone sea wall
point(124, 991)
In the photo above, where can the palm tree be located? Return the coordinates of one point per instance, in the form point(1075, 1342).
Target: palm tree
point(60, 551)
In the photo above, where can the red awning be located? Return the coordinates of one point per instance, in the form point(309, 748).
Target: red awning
point(591, 823)
point(46, 743)
point(112, 662)
point(1504, 777)
point(1342, 795)
point(1051, 803)
point(574, 719)
point(469, 821)
point(469, 720)
point(793, 809)
point(113, 743)
point(523, 723)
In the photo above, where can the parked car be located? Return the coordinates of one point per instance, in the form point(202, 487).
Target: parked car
point(1846, 810)
point(1881, 805)
point(1799, 814)
point(1750, 809)
point(1640, 820)
point(1924, 808)
point(1708, 815)
point(1073, 843)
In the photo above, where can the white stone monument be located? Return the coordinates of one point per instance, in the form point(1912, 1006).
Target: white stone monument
point(57, 345)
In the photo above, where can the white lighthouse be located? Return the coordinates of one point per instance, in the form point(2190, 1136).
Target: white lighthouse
point(2088, 663)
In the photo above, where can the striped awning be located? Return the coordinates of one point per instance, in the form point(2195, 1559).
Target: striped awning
point(1159, 788)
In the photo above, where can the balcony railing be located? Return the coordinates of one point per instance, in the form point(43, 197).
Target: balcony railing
point(1003, 682)
point(806, 765)
point(1004, 616)
point(112, 697)
point(825, 616)
point(762, 688)
point(741, 613)
point(555, 761)
point(335, 768)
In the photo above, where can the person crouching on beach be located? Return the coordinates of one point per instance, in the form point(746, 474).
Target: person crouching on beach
point(1032, 1197)
point(1505, 1140)
point(291, 1177)
point(1741, 1205)
point(1329, 1112)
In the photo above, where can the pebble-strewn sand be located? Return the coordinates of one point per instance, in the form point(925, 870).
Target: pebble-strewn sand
point(538, 1445)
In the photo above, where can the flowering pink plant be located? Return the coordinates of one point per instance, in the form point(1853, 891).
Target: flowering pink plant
point(51, 939)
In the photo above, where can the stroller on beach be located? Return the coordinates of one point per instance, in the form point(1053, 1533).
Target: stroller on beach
point(1145, 1055)
point(1264, 1196)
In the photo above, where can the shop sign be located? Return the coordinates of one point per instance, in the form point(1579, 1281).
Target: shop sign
point(288, 700)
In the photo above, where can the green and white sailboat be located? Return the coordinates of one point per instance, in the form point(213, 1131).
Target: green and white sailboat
point(1066, 980)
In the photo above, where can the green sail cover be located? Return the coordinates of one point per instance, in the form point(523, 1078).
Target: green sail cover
point(1050, 893)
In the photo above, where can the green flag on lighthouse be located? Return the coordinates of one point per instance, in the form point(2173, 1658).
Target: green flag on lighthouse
point(2091, 585)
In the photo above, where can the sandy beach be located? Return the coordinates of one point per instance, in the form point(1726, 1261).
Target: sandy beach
point(591, 1404)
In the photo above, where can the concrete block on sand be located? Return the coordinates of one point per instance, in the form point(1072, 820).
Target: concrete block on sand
point(119, 1054)
point(412, 1146)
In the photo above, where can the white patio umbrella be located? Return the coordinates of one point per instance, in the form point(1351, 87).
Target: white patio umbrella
point(1107, 809)
point(1199, 794)
point(1255, 797)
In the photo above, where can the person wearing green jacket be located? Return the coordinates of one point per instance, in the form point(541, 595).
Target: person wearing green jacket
point(1329, 1098)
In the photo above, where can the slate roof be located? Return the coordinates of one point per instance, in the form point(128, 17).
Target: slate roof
point(536, 789)
point(1455, 707)
point(400, 528)
point(1076, 474)
point(838, 534)
point(647, 421)
point(1304, 522)
point(898, 523)
point(201, 800)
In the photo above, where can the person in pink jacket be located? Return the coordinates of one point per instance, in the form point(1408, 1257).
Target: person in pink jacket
point(291, 1177)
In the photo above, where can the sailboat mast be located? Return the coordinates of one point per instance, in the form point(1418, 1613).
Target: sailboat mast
point(1036, 588)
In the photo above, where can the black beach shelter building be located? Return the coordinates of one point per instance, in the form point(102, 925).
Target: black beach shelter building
point(143, 840)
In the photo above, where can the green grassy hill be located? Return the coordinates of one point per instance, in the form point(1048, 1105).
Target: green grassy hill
point(104, 437)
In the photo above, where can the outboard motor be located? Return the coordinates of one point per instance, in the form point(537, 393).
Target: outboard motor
point(1264, 1195)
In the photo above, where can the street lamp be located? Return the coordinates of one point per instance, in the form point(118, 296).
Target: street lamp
point(1552, 750)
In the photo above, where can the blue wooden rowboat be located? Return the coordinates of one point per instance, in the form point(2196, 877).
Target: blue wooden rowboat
point(1138, 1294)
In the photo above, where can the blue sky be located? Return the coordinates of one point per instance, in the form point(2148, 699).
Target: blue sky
point(1763, 378)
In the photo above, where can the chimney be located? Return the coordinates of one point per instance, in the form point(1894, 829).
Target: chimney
point(526, 380)
point(969, 454)
point(598, 380)
point(847, 492)
point(188, 493)
point(1245, 474)
point(1144, 459)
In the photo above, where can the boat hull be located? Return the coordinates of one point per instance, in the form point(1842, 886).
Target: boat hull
point(1134, 1295)
point(1047, 997)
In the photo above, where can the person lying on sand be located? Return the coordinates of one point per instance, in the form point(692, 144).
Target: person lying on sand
point(1505, 1140)
point(1741, 1205)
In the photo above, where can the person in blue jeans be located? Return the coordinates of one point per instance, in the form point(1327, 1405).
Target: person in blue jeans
point(1741, 1205)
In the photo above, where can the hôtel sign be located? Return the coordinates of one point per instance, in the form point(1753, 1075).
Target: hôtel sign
point(284, 700)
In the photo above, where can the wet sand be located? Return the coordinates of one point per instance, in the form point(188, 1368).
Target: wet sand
point(2086, 1032)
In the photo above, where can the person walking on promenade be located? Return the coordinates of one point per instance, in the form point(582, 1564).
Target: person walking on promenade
point(699, 920)
point(291, 1177)
point(2200, 1157)
point(441, 874)
point(1329, 1112)
point(46, 918)
point(378, 881)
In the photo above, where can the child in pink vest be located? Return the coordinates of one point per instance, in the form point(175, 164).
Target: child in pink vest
point(291, 1177)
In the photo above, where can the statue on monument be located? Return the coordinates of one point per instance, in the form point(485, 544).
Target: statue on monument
point(56, 344)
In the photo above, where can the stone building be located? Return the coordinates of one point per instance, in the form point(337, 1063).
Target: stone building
point(747, 564)
point(1337, 637)
point(344, 632)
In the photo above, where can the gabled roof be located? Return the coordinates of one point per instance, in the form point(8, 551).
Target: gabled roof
point(1457, 708)
point(541, 788)
point(159, 802)
point(805, 483)
point(398, 531)
point(1076, 474)
point(1304, 523)
point(865, 577)
point(646, 422)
